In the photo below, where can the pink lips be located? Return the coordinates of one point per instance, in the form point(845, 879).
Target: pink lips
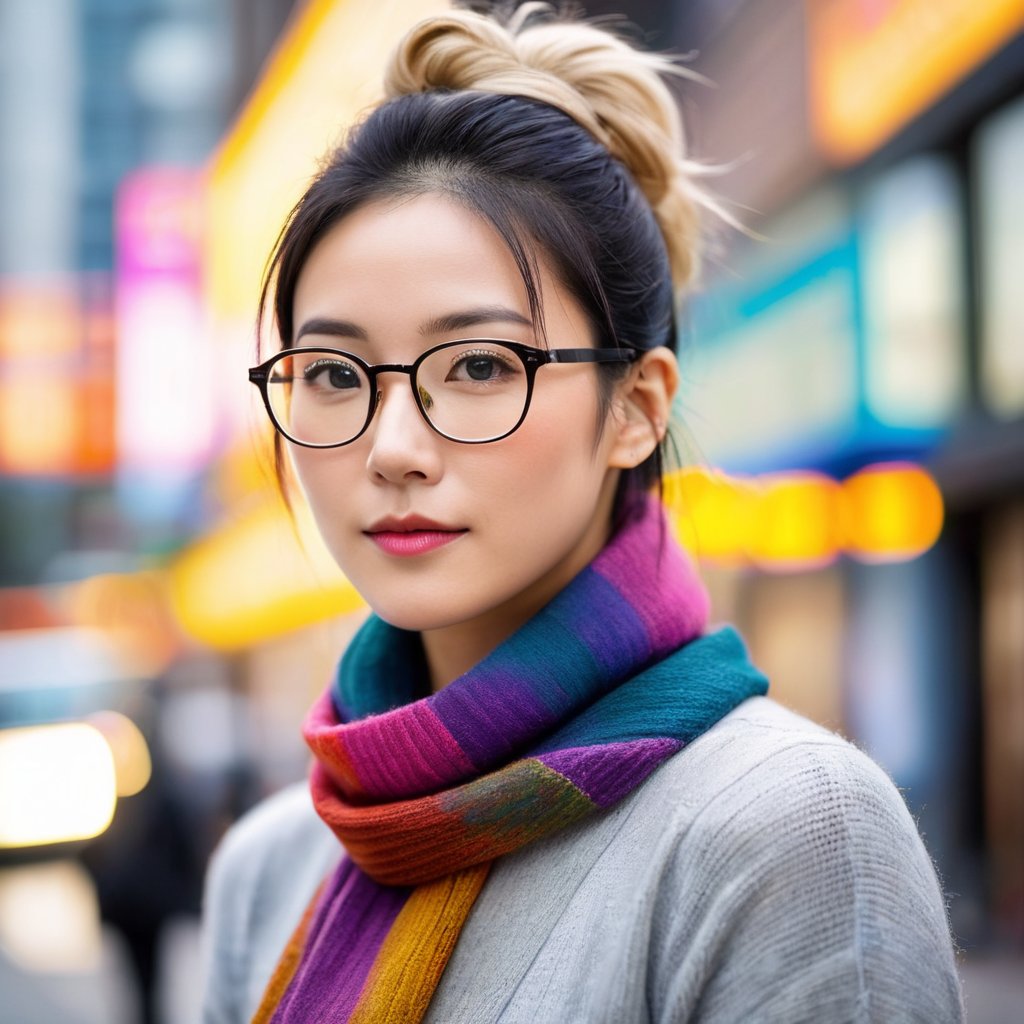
point(412, 536)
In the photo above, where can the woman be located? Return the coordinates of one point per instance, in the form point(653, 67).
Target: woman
point(542, 791)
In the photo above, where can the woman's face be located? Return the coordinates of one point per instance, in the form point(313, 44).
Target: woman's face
point(512, 521)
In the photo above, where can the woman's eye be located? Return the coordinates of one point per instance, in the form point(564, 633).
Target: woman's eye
point(332, 374)
point(480, 366)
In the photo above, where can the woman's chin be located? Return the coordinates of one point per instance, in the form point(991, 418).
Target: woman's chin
point(416, 618)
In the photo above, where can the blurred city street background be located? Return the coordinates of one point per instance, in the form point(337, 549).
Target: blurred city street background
point(851, 432)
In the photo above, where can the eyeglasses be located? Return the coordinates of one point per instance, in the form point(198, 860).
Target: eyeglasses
point(470, 391)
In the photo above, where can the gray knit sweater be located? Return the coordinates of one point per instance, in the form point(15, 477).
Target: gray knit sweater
point(768, 872)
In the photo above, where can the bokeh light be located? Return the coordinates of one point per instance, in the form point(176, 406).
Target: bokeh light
point(132, 763)
point(793, 522)
point(891, 513)
point(57, 784)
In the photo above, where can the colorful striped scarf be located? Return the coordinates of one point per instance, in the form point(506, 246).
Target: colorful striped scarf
point(562, 720)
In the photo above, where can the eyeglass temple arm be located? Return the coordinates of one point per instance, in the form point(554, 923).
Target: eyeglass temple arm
point(264, 375)
point(592, 355)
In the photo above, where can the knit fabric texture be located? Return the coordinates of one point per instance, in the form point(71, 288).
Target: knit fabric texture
point(564, 719)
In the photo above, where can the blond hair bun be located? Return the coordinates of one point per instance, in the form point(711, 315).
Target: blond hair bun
point(607, 86)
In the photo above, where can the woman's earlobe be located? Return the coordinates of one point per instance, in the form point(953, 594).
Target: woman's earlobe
point(645, 399)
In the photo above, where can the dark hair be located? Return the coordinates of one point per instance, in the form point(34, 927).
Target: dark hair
point(545, 185)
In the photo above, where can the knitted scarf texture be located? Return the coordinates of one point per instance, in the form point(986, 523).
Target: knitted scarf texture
point(561, 721)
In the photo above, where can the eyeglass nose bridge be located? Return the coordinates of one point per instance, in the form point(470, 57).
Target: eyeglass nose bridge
point(423, 400)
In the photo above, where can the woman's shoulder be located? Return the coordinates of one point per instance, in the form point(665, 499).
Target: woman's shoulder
point(766, 749)
point(785, 836)
point(767, 782)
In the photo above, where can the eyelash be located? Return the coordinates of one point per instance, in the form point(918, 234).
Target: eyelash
point(321, 364)
point(486, 353)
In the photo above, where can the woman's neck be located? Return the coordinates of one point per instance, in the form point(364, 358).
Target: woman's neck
point(454, 650)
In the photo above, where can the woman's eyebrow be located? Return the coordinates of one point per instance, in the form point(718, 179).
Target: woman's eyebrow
point(335, 328)
point(472, 317)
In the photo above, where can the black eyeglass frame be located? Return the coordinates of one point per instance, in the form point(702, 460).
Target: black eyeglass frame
point(532, 358)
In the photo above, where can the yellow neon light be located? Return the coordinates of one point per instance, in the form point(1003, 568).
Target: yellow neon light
point(257, 578)
point(799, 520)
point(281, 68)
point(713, 513)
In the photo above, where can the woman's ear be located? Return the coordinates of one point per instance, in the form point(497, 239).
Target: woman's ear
point(642, 405)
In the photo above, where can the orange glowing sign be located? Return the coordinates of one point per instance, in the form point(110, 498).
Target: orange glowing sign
point(38, 423)
point(891, 513)
point(56, 380)
point(37, 319)
point(133, 612)
point(875, 66)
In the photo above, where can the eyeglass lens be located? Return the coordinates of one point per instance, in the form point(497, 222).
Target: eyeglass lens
point(469, 392)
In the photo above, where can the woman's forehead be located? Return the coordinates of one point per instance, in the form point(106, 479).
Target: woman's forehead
point(427, 246)
point(425, 266)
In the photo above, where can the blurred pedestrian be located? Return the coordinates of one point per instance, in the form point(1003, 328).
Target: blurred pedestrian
point(544, 790)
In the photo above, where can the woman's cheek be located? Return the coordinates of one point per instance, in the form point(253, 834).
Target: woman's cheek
point(326, 484)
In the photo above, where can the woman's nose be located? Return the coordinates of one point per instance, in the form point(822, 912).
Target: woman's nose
point(403, 446)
